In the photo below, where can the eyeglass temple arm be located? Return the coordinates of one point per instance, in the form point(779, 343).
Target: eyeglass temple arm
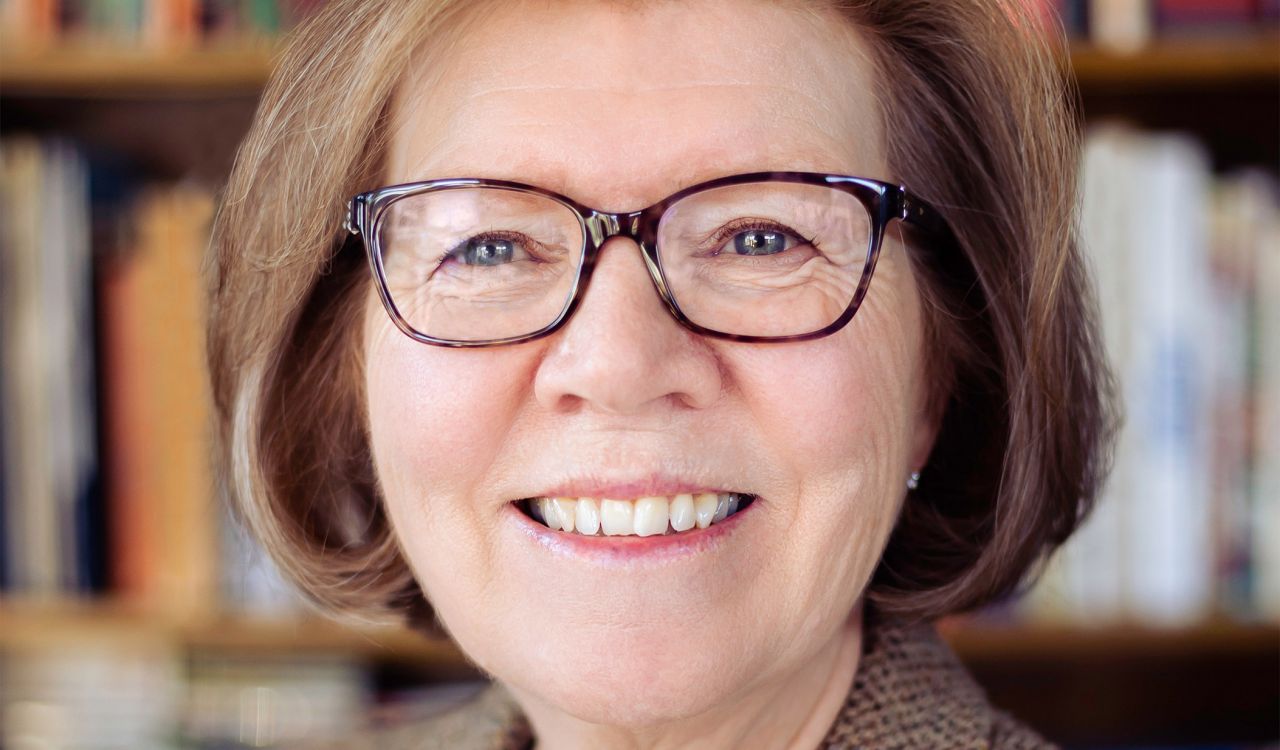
point(354, 218)
point(921, 215)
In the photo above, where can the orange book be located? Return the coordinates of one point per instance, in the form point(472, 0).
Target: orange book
point(171, 24)
point(160, 496)
point(129, 421)
point(188, 579)
point(28, 23)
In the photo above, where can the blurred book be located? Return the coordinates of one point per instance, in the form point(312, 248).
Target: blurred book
point(1127, 26)
point(1120, 25)
point(164, 25)
point(270, 701)
point(105, 373)
point(157, 407)
point(113, 693)
point(91, 695)
point(50, 496)
point(1185, 527)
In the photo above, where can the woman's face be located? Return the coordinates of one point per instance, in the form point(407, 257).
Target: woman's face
point(618, 108)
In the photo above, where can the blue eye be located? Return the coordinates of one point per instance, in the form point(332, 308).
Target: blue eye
point(759, 242)
point(481, 251)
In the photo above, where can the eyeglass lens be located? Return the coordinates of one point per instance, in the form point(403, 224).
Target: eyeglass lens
point(754, 259)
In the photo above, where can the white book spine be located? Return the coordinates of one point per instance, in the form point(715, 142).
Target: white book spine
point(1122, 26)
point(1171, 545)
point(1094, 578)
point(1266, 460)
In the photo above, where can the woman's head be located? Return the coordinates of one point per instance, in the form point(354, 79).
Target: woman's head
point(378, 468)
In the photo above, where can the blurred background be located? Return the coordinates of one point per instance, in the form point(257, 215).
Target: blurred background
point(134, 615)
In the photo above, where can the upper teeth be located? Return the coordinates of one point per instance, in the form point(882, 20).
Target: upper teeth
point(645, 516)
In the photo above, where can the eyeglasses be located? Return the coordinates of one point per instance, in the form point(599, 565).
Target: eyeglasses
point(765, 256)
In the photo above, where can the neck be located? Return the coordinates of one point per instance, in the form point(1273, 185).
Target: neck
point(795, 712)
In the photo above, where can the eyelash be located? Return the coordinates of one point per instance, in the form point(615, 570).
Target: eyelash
point(737, 225)
point(491, 234)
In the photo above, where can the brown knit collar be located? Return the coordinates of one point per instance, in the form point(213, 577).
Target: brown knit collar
point(910, 691)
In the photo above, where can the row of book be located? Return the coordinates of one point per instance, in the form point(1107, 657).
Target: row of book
point(1129, 25)
point(1116, 24)
point(106, 485)
point(102, 694)
point(1188, 273)
point(155, 24)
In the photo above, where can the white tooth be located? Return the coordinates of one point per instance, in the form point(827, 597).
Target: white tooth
point(733, 504)
point(722, 508)
point(704, 506)
point(616, 517)
point(564, 510)
point(587, 516)
point(549, 515)
point(651, 516)
point(682, 513)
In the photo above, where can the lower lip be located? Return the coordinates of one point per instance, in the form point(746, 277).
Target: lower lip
point(623, 550)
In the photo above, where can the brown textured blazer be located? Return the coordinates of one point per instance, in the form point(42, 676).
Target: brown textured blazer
point(910, 692)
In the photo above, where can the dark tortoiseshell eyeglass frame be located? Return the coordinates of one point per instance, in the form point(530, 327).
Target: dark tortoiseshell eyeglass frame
point(884, 202)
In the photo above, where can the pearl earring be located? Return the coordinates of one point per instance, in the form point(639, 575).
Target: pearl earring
point(913, 481)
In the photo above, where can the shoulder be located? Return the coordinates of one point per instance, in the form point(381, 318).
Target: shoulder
point(911, 691)
point(489, 721)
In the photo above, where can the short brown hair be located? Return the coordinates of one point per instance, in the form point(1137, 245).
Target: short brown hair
point(981, 122)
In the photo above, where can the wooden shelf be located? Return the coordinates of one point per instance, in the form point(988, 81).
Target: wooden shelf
point(1217, 683)
point(102, 71)
point(981, 641)
point(1117, 684)
point(99, 71)
point(34, 625)
point(1181, 61)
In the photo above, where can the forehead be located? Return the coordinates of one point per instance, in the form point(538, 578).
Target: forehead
point(618, 106)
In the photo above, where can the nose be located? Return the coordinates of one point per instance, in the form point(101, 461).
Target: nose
point(622, 353)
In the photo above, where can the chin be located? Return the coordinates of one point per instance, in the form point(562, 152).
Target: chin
point(627, 676)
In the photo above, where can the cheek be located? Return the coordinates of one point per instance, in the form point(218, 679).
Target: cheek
point(839, 414)
point(439, 421)
point(843, 408)
point(435, 414)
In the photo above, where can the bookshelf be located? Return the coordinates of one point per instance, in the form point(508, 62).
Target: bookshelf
point(181, 112)
point(1086, 685)
point(1180, 62)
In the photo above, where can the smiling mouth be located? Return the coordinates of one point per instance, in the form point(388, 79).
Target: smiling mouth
point(646, 516)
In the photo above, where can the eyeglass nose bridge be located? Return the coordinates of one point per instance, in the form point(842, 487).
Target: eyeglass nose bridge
point(601, 226)
point(638, 226)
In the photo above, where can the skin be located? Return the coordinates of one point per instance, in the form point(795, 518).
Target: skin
point(756, 643)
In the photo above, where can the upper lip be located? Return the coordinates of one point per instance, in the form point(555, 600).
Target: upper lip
point(654, 485)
